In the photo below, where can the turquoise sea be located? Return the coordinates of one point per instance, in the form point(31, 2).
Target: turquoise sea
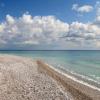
point(84, 63)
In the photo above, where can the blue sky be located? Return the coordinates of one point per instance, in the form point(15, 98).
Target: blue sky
point(62, 9)
point(49, 24)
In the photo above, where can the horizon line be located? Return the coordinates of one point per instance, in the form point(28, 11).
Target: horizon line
point(54, 50)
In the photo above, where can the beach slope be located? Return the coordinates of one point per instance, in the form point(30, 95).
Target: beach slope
point(79, 89)
point(21, 80)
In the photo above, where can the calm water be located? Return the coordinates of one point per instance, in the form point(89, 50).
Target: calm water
point(85, 63)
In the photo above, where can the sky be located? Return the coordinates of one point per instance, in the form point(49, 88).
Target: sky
point(49, 24)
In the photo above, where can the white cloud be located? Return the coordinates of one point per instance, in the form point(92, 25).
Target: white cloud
point(82, 9)
point(46, 30)
point(98, 18)
point(97, 7)
point(83, 35)
point(1, 27)
point(85, 31)
point(31, 30)
point(10, 19)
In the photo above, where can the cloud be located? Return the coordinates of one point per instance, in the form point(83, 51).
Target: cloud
point(87, 31)
point(41, 31)
point(36, 32)
point(82, 9)
point(97, 9)
point(29, 30)
point(97, 6)
point(10, 19)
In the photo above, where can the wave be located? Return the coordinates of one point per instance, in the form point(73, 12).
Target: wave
point(78, 78)
point(80, 75)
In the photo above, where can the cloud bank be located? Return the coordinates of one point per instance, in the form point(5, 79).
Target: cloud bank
point(31, 30)
point(48, 32)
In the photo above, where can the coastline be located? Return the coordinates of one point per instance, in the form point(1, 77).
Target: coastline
point(80, 90)
point(81, 78)
point(23, 77)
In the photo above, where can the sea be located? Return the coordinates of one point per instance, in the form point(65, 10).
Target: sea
point(83, 64)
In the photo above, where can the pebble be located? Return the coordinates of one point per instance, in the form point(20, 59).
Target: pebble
point(20, 80)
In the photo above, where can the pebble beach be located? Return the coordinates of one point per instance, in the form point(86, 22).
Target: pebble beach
point(21, 80)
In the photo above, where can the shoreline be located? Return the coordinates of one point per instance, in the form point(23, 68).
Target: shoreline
point(80, 89)
point(23, 74)
point(80, 77)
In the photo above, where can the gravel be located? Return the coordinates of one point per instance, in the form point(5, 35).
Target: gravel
point(21, 80)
